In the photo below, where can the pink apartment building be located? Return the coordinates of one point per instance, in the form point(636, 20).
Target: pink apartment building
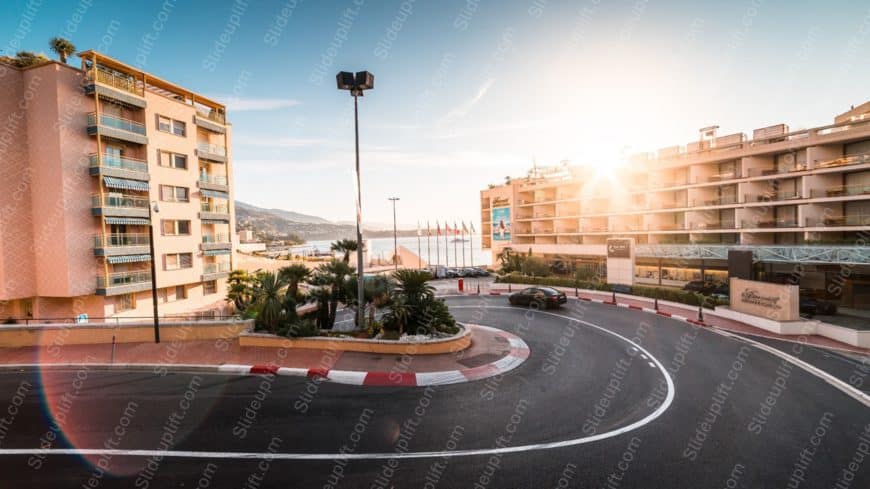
point(86, 156)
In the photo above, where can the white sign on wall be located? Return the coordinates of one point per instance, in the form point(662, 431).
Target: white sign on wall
point(620, 261)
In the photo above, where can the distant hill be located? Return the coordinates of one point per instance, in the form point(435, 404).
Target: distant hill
point(280, 225)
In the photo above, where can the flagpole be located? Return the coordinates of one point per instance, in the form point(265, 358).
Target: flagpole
point(446, 247)
point(471, 245)
point(455, 253)
point(428, 244)
point(437, 245)
point(463, 244)
point(419, 248)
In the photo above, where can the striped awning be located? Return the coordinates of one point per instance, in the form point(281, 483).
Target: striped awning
point(128, 259)
point(127, 220)
point(215, 194)
point(124, 184)
point(216, 252)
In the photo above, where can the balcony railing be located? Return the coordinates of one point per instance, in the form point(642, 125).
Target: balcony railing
point(121, 239)
point(220, 267)
point(856, 159)
point(833, 221)
point(773, 196)
point(116, 200)
point(119, 279)
point(215, 208)
point(769, 223)
point(213, 179)
point(712, 225)
point(125, 83)
point(214, 149)
point(116, 123)
point(723, 200)
point(216, 238)
point(212, 115)
point(118, 162)
point(840, 191)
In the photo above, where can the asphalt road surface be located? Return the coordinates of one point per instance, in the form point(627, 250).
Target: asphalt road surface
point(608, 398)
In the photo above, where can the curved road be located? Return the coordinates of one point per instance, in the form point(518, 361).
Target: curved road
point(588, 408)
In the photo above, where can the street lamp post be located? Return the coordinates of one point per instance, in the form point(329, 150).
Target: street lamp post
point(395, 236)
point(357, 84)
point(153, 205)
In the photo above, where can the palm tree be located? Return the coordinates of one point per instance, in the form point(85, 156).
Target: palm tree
point(332, 275)
point(240, 290)
point(377, 291)
point(346, 246)
point(399, 316)
point(269, 292)
point(63, 47)
point(412, 286)
point(293, 274)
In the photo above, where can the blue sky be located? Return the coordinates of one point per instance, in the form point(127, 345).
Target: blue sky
point(467, 91)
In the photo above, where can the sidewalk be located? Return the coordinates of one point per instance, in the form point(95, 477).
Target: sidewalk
point(491, 350)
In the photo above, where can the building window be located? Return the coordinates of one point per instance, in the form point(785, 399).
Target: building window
point(165, 124)
point(125, 302)
point(171, 193)
point(209, 287)
point(172, 227)
point(163, 295)
point(180, 292)
point(177, 261)
point(173, 160)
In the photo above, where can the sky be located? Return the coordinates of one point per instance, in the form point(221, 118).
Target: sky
point(467, 91)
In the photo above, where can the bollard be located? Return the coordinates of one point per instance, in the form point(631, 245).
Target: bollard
point(700, 313)
point(478, 288)
point(576, 293)
point(656, 303)
point(509, 287)
point(614, 296)
point(113, 349)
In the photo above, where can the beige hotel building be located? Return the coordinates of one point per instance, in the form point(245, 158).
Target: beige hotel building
point(86, 155)
point(799, 200)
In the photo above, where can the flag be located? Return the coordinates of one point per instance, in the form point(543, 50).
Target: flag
point(455, 229)
point(418, 230)
point(464, 228)
point(438, 227)
point(472, 228)
point(428, 230)
point(447, 229)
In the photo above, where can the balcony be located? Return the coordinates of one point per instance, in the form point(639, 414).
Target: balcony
point(117, 87)
point(114, 244)
point(857, 159)
point(120, 205)
point(774, 196)
point(723, 200)
point(216, 241)
point(704, 226)
point(840, 191)
point(212, 120)
point(117, 128)
point(119, 166)
point(769, 223)
point(770, 172)
point(210, 211)
point(212, 152)
point(839, 221)
point(123, 282)
point(213, 182)
point(212, 271)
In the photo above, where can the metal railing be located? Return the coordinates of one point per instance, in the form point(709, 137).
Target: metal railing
point(212, 115)
point(214, 149)
point(119, 200)
point(712, 225)
point(123, 278)
point(219, 267)
point(116, 123)
point(121, 239)
point(215, 208)
point(840, 191)
point(216, 238)
point(723, 200)
point(125, 83)
point(847, 220)
point(773, 196)
point(119, 162)
point(213, 179)
point(855, 159)
point(769, 223)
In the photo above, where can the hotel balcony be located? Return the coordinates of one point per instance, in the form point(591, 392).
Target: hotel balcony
point(216, 241)
point(704, 226)
point(773, 196)
point(117, 128)
point(770, 172)
point(723, 200)
point(213, 271)
point(769, 223)
point(119, 166)
point(212, 152)
point(839, 221)
point(213, 182)
point(210, 211)
point(123, 282)
point(840, 191)
point(120, 205)
point(117, 87)
point(211, 120)
point(114, 244)
point(857, 159)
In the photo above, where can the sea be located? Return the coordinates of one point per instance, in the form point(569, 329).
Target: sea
point(383, 248)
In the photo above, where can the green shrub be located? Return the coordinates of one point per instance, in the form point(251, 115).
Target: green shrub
point(300, 329)
point(535, 266)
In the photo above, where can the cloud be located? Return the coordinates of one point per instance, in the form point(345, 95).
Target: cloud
point(244, 104)
point(273, 167)
point(463, 109)
point(275, 142)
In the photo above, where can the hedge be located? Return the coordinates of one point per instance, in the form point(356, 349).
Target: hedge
point(665, 294)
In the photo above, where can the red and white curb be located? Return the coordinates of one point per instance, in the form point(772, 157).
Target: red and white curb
point(518, 354)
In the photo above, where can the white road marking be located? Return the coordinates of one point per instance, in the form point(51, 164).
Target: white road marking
point(669, 399)
point(830, 379)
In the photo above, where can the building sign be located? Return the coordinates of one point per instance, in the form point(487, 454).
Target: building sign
point(501, 224)
point(500, 202)
point(772, 301)
point(618, 248)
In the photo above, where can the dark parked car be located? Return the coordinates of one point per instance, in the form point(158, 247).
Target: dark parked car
point(538, 297)
point(699, 286)
point(810, 306)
